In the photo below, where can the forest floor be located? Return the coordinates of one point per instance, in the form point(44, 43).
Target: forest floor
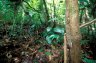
point(26, 49)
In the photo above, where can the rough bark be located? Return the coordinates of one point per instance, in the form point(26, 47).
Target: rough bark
point(72, 30)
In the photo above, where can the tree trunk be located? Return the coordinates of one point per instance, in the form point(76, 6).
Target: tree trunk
point(72, 30)
point(46, 11)
point(54, 9)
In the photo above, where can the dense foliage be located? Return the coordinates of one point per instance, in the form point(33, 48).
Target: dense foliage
point(32, 30)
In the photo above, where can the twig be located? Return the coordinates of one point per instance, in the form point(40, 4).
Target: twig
point(29, 49)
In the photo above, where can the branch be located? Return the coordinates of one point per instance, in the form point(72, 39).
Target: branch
point(88, 23)
point(29, 49)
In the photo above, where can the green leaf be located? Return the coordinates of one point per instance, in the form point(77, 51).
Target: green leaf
point(89, 60)
point(51, 37)
point(84, 42)
point(41, 49)
point(48, 53)
point(48, 40)
point(59, 30)
point(48, 29)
